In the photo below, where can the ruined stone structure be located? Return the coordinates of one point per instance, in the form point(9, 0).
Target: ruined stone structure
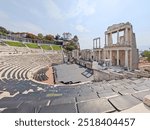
point(87, 55)
point(75, 54)
point(123, 53)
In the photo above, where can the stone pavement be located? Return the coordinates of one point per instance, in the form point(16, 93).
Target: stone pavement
point(26, 96)
point(72, 73)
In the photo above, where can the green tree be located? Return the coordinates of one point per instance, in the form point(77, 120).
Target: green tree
point(32, 36)
point(40, 36)
point(3, 30)
point(49, 37)
point(70, 46)
point(147, 54)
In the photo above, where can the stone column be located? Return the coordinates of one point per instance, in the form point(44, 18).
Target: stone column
point(99, 55)
point(110, 39)
point(126, 36)
point(104, 57)
point(117, 57)
point(130, 36)
point(110, 57)
point(118, 37)
point(131, 59)
point(126, 58)
point(93, 55)
point(107, 54)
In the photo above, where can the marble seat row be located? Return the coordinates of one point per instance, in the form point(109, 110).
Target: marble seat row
point(105, 96)
point(40, 75)
point(24, 66)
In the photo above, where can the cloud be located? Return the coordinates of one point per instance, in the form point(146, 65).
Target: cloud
point(77, 8)
point(53, 10)
point(81, 28)
point(27, 27)
point(143, 40)
point(3, 16)
point(83, 7)
point(22, 26)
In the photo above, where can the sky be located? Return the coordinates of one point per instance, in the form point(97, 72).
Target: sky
point(87, 19)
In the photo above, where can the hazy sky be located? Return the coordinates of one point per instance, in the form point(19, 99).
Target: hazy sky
point(85, 18)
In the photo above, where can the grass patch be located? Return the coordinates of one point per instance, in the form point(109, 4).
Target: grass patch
point(56, 47)
point(46, 47)
point(33, 45)
point(18, 44)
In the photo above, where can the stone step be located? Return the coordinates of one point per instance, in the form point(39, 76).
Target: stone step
point(22, 73)
point(4, 73)
point(2, 67)
point(3, 70)
point(95, 106)
point(17, 73)
point(60, 108)
point(13, 73)
point(141, 95)
point(9, 73)
point(124, 102)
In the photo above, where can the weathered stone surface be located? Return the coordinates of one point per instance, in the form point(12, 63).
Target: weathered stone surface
point(97, 88)
point(63, 100)
point(127, 91)
point(10, 104)
point(108, 94)
point(141, 95)
point(71, 73)
point(146, 100)
point(141, 88)
point(86, 97)
point(117, 89)
point(131, 86)
point(95, 106)
point(27, 108)
point(106, 91)
point(61, 108)
point(11, 110)
point(124, 102)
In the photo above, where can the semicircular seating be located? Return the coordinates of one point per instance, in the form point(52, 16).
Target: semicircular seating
point(24, 66)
